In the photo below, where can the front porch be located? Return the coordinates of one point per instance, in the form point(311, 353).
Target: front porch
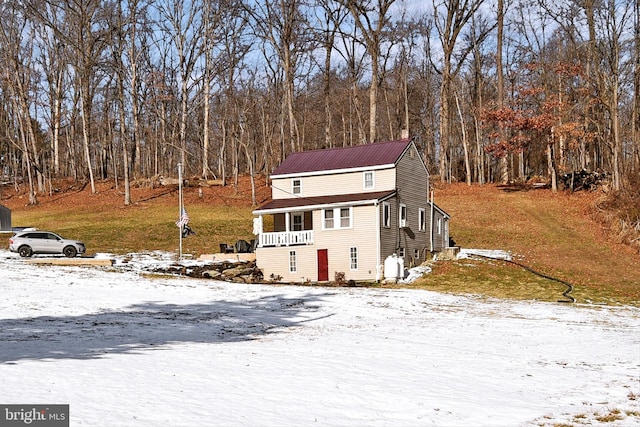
point(289, 229)
point(285, 238)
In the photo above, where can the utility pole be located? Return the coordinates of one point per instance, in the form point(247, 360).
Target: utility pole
point(180, 207)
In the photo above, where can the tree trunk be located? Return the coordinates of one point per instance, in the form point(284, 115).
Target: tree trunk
point(465, 144)
point(86, 108)
point(551, 166)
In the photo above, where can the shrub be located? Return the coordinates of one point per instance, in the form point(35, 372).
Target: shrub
point(621, 212)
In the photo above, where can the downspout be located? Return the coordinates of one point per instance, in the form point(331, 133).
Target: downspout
point(378, 244)
point(431, 226)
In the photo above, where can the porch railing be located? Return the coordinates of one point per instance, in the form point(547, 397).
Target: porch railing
point(286, 238)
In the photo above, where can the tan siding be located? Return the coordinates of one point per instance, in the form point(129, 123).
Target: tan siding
point(281, 189)
point(276, 261)
point(338, 242)
point(330, 185)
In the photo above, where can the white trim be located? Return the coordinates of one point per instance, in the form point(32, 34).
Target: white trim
point(402, 222)
point(378, 243)
point(422, 219)
point(364, 180)
point(293, 256)
point(316, 207)
point(334, 171)
point(386, 206)
point(357, 260)
point(293, 187)
point(295, 215)
point(337, 218)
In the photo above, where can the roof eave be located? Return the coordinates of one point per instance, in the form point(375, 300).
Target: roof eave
point(318, 206)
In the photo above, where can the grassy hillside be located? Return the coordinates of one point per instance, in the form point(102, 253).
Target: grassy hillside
point(551, 233)
point(218, 215)
point(554, 234)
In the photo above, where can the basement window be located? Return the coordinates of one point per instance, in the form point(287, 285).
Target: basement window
point(293, 262)
point(353, 258)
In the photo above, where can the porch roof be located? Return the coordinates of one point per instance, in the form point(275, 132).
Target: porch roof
point(298, 203)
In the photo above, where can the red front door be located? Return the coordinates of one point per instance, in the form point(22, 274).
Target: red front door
point(323, 265)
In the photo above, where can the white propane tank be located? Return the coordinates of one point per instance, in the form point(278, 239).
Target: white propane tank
point(391, 268)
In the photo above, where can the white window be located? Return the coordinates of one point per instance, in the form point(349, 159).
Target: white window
point(345, 217)
point(386, 214)
point(328, 218)
point(293, 262)
point(353, 258)
point(416, 253)
point(401, 252)
point(296, 186)
point(368, 180)
point(422, 219)
point(297, 222)
point(403, 215)
point(336, 218)
point(439, 225)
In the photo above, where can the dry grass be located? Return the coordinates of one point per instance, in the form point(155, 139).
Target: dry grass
point(105, 224)
point(551, 233)
point(555, 234)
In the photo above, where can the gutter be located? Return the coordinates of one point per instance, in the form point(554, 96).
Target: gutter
point(378, 244)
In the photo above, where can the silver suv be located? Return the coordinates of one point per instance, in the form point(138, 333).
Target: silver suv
point(27, 243)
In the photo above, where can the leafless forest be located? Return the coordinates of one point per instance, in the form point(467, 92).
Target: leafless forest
point(491, 90)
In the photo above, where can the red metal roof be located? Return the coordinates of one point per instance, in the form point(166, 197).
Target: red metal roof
point(295, 202)
point(357, 156)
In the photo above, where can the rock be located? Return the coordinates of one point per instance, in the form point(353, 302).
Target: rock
point(237, 271)
point(211, 274)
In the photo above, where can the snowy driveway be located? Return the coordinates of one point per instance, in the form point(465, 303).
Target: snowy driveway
point(124, 348)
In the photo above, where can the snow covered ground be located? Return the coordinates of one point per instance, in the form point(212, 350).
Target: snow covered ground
point(124, 348)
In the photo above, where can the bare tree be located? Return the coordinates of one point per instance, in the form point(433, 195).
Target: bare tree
point(285, 30)
point(636, 87)
point(17, 56)
point(183, 22)
point(451, 18)
point(372, 19)
point(614, 18)
point(330, 21)
point(504, 165)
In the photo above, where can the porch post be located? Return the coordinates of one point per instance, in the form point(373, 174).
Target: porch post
point(257, 229)
point(287, 227)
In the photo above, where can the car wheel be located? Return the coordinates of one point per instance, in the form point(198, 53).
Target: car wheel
point(70, 252)
point(25, 251)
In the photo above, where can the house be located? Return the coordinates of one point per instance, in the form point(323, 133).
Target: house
point(5, 218)
point(341, 212)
